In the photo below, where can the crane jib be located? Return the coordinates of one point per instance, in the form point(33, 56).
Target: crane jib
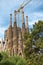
point(21, 8)
point(23, 4)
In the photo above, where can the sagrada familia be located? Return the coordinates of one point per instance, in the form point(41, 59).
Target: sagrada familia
point(14, 36)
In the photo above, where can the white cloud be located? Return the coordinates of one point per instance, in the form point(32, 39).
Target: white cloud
point(36, 3)
point(2, 30)
point(34, 17)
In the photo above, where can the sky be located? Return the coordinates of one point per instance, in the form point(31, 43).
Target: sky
point(34, 11)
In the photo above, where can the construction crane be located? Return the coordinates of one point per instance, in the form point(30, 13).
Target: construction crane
point(23, 5)
point(21, 8)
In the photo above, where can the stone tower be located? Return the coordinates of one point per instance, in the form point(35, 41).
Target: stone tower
point(23, 29)
point(10, 37)
point(27, 29)
point(15, 35)
point(20, 43)
point(23, 24)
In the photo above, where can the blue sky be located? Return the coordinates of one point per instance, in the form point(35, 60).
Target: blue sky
point(34, 10)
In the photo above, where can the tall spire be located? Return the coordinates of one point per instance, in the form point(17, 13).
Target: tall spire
point(23, 30)
point(10, 19)
point(27, 29)
point(10, 36)
point(15, 16)
point(15, 35)
point(23, 24)
point(22, 17)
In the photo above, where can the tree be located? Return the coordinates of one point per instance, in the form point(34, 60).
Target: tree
point(1, 57)
point(37, 33)
point(13, 60)
point(35, 59)
point(34, 38)
point(28, 48)
point(22, 61)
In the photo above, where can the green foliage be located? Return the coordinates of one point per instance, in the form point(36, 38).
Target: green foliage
point(6, 62)
point(28, 47)
point(21, 62)
point(34, 38)
point(37, 34)
point(4, 55)
point(26, 35)
point(35, 59)
point(13, 60)
point(39, 43)
point(1, 57)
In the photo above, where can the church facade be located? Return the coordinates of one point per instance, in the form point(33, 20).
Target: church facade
point(14, 36)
